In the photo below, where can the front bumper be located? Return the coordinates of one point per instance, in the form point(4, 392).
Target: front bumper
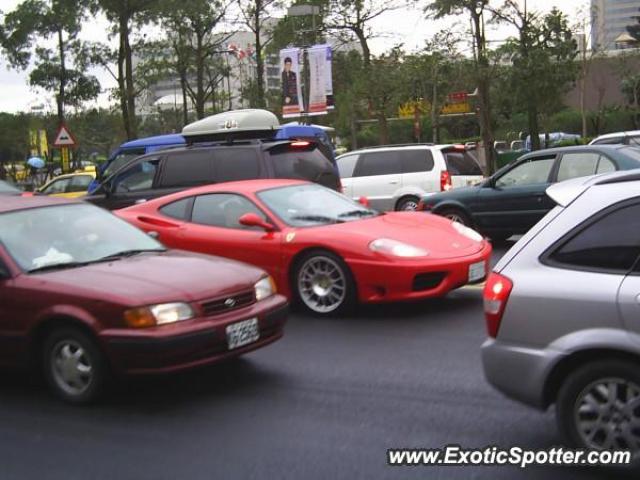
point(403, 279)
point(193, 343)
point(518, 372)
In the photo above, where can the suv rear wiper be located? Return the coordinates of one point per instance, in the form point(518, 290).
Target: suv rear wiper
point(317, 218)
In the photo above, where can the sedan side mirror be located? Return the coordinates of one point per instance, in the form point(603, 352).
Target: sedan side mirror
point(254, 220)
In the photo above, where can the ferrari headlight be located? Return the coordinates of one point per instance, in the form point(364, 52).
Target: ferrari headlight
point(466, 231)
point(158, 314)
point(265, 287)
point(396, 248)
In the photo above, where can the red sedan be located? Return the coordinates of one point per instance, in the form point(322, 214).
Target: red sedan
point(322, 249)
point(84, 295)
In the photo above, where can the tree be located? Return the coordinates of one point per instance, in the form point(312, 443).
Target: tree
point(255, 15)
point(124, 15)
point(634, 30)
point(476, 10)
point(542, 57)
point(25, 35)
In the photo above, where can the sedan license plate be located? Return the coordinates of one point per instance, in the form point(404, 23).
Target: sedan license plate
point(242, 333)
point(477, 271)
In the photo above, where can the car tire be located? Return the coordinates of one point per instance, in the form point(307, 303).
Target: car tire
point(456, 215)
point(584, 390)
point(74, 367)
point(323, 284)
point(407, 204)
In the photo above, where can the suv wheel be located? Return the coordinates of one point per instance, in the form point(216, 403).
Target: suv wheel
point(323, 283)
point(73, 366)
point(598, 406)
point(407, 204)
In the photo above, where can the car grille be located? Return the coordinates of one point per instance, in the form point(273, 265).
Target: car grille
point(428, 281)
point(228, 303)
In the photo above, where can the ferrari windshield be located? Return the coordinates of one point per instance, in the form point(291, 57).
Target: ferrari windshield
point(311, 204)
point(70, 235)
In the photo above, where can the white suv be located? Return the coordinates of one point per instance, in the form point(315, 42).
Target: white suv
point(631, 137)
point(396, 177)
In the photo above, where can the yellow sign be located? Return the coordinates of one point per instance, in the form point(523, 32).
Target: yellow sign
point(453, 108)
point(408, 109)
point(64, 152)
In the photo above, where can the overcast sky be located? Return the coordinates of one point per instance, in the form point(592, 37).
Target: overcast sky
point(407, 27)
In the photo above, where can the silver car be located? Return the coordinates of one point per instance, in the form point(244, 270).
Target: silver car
point(563, 313)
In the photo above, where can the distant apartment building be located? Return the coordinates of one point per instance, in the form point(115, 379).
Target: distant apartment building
point(609, 21)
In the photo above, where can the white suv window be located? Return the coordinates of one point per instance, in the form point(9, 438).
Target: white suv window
point(378, 163)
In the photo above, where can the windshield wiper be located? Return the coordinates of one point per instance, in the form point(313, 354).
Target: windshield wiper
point(57, 266)
point(357, 213)
point(317, 218)
point(129, 253)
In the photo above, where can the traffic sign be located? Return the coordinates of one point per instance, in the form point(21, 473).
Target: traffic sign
point(64, 138)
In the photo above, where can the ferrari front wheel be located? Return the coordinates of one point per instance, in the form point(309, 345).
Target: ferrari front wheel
point(323, 283)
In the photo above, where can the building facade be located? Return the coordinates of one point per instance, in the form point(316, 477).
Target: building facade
point(610, 19)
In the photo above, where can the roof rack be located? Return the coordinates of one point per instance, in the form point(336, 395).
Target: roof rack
point(232, 125)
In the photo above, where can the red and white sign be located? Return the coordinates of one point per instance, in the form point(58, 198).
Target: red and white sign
point(64, 138)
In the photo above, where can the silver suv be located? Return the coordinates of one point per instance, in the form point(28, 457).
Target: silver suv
point(395, 177)
point(563, 313)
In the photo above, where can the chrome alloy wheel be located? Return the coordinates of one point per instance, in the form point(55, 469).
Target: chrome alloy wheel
point(71, 367)
point(454, 217)
point(322, 284)
point(607, 414)
point(409, 206)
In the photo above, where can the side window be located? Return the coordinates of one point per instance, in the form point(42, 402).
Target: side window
point(605, 165)
point(347, 165)
point(223, 210)
point(461, 163)
point(231, 164)
point(611, 243)
point(416, 161)
point(634, 141)
point(59, 186)
point(187, 168)
point(532, 172)
point(80, 183)
point(179, 209)
point(378, 163)
point(578, 164)
point(609, 141)
point(137, 177)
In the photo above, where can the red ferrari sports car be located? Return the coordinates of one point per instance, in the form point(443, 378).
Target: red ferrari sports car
point(323, 249)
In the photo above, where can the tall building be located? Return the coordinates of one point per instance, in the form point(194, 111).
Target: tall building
point(609, 19)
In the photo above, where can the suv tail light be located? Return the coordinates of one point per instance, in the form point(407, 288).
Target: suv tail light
point(445, 181)
point(496, 294)
point(300, 144)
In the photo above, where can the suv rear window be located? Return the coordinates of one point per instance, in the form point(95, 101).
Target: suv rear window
point(460, 162)
point(416, 160)
point(304, 165)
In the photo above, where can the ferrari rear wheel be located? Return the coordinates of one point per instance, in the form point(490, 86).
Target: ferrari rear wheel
point(323, 283)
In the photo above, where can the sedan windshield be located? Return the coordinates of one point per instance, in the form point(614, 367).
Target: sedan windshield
point(68, 236)
point(308, 205)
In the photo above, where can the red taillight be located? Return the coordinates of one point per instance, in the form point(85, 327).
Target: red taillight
point(300, 144)
point(445, 181)
point(496, 294)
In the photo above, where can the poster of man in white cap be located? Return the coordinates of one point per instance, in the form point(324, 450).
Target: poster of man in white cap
point(292, 104)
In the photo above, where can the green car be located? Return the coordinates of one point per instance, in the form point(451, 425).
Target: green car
point(513, 199)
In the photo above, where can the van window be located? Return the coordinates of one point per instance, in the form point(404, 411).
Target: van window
point(461, 163)
point(231, 164)
point(416, 161)
point(187, 168)
point(378, 163)
point(347, 164)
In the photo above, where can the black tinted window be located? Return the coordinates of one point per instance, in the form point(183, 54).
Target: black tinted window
point(184, 169)
point(179, 209)
point(232, 164)
point(461, 163)
point(611, 243)
point(416, 161)
point(304, 165)
point(136, 178)
point(378, 163)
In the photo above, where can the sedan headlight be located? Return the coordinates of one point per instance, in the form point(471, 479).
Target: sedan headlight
point(396, 248)
point(265, 287)
point(158, 314)
point(466, 231)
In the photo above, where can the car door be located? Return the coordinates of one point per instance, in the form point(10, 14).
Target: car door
point(346, 166)
point(377, 176)
point(214, 229)
point(516, 200)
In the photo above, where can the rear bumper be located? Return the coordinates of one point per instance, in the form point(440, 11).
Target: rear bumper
point(380, 282)
point(196, 343)
point(519, 373)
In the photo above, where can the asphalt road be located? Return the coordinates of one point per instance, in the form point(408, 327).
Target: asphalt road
point(325, 402)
